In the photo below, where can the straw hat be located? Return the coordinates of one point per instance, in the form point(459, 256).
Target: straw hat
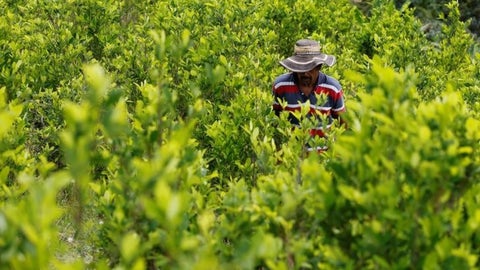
point(307, 56)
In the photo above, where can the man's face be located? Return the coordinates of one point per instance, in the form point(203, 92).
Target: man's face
point(308, 78)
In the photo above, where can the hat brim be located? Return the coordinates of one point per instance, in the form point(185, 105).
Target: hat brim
point(302, 63)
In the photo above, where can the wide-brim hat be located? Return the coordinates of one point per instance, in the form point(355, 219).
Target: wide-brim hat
point(307, 56)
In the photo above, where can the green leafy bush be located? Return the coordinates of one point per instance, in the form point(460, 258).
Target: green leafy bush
point(140, 135)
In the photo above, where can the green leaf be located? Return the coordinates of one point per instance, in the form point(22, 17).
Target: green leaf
point(97, 80)
point(130, 246)
point(206, 221)
point(352, 194)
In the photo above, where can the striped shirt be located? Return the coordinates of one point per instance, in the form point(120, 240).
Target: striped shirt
point(326, 99)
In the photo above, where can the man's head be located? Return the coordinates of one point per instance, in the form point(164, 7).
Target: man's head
point(308, 78)
point(307, 57)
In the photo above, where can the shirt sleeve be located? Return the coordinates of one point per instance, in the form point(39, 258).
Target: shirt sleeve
point(338, 104)
point(277, 98)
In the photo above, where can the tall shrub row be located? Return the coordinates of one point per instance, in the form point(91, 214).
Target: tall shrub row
point(139, 135)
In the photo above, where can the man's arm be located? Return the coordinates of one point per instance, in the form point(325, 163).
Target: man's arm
point(339, 108)
point(276, 106)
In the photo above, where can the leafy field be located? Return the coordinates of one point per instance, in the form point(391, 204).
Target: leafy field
point(140, 135)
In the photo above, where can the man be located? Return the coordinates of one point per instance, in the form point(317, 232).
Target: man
point(305, 85)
